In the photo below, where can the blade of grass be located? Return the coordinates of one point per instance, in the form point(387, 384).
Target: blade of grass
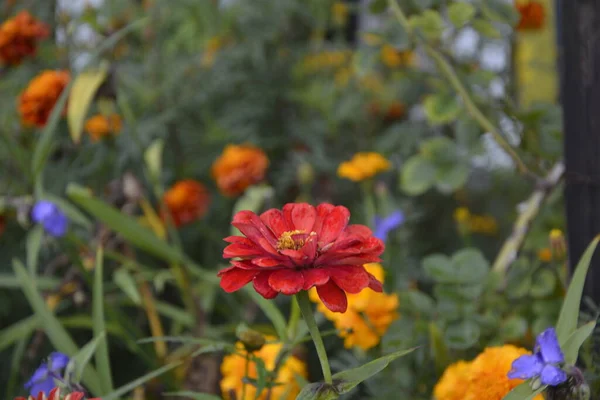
point(117, 394)
point(102, 359)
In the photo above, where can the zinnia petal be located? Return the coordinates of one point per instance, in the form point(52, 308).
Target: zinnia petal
point(323, 211)
point(261, 285)
point(547, 344)
point(234, 278)
point(374, 283)
point(315, 277)
point(350, 278)
point(525, 367)
point(301, 216)
point(333, 225)
point(274, 219)
point(252, 227)
point(287, 281)
point(552, 375)
point(333, 297)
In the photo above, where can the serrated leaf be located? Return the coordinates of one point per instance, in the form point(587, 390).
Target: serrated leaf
point(417, 176)
point(347, 380)
point(569, 312)
point(572, 345)
point(441, 108)
point(84, 89)
point(486, 28)
point(460, 13)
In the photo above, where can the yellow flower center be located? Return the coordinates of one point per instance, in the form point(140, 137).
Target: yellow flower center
point(292, 240)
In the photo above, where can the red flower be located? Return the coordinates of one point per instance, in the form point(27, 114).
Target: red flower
point(532, 16)
point(300, 247)
point(55, 395)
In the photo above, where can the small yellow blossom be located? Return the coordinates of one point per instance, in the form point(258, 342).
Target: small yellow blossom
point(363, 166)
point(393, 58)
point(368, 316)
point(462, 215)
point(467, 222)
point(286, 386)
point(339, 13)
point(558, 243)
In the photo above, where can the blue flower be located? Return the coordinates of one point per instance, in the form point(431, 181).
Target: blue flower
point(544, 363)
point(383, 226)
point(42, 379)
point(53, 220)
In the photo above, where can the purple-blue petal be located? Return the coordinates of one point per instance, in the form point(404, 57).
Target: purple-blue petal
point(42, 386)
point(39, 375)
point(42, 210)
point(526, 366)
point(552, 375)
point(383, 226)
point(547, 345)
point(56, 225)
point(58, 361)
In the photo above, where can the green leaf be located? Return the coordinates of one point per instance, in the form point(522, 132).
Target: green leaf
point(153, 158)
point(470, 265)
point(102, 358)
point(125, 281)
point(500, 11)
point(34, 244)
point(430, 23)
point(441, 108)
point(543, 283)
point(125, 225)
point(9, 281)
point(439, 267)
point(70, 210)
point(80, 361)
point(513, 328)
point(378, 6)
point(569, 313)
point(117, 394)
point(523, 392)
point(572, 345)
point(317, 391)
point(460, 13)
point(271, 311)
point(417, 176)
point(486, 28)
point(18, 330)
point(57, 334)
point(462, 335)
point(84, 89)
point(452, 178)
point(347, 380)
point(194, 395)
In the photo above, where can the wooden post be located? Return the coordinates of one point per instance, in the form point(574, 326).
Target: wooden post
point(579, 52)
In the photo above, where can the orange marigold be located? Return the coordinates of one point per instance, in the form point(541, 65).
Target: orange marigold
point(19, 36)
point(186, 201)
point(38, 99)
point(239, 167)
point(533, 16)
point(454, 382)
point(100, 126)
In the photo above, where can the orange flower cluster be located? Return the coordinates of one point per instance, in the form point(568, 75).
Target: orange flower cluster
point(100, 126)
point(38, 99)
point(19, 36)
point(484, 378)
point(239, 167)
point(186, 201)
point(533, 16)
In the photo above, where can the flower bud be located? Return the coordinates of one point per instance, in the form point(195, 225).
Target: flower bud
point(306, 173)
point(251, 339)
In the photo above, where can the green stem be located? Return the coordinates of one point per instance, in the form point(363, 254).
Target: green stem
point(369, 202)
point(309, 317)
point(446, 69)
point(294, 317)
point(246, 371)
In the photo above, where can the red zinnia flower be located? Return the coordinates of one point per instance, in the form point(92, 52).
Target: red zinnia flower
point(55, 395)
point(300, 247)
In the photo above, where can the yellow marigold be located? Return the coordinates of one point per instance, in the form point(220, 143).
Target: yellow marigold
point(339, 12)
point(239, 167)
point(368, 316)
point(393, 58)
point(100, 126)
point(233, 368)
point(40, 96)
point(545, 254)
point(462, 215)
point(488, 378)
point(363, 166)
point(19, 37)
point(186, 201)
point(454, 382)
